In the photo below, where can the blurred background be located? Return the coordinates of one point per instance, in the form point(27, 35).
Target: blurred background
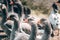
point(39, 7)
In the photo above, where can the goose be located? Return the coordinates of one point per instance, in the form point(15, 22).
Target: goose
point(4, 13)
point(17, 7)
point(27, 11)
point(14, 10)
point(9, 24)
point(54, 18)
point(4, 16)
point(4, 20)
point(47, 30)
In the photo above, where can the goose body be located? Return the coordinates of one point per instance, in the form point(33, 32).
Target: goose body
point(55, 20)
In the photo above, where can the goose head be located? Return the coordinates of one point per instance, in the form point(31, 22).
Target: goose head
point(58, 1)
point(55, 8)
point(18, 9)
point(12, 17)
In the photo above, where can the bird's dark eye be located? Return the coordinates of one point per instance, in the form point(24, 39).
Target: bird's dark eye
point(56, 24)
point(57, 21)
point(57, 17)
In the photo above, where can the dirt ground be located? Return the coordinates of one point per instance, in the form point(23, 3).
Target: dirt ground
point(56, 37)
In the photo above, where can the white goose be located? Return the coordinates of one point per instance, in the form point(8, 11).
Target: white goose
point(54, 18)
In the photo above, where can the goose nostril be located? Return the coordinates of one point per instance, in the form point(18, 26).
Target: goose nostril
point(57, 21)
point(56, 24)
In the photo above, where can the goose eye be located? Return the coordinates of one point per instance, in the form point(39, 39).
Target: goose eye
point(56, 24)
point(55, 19)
